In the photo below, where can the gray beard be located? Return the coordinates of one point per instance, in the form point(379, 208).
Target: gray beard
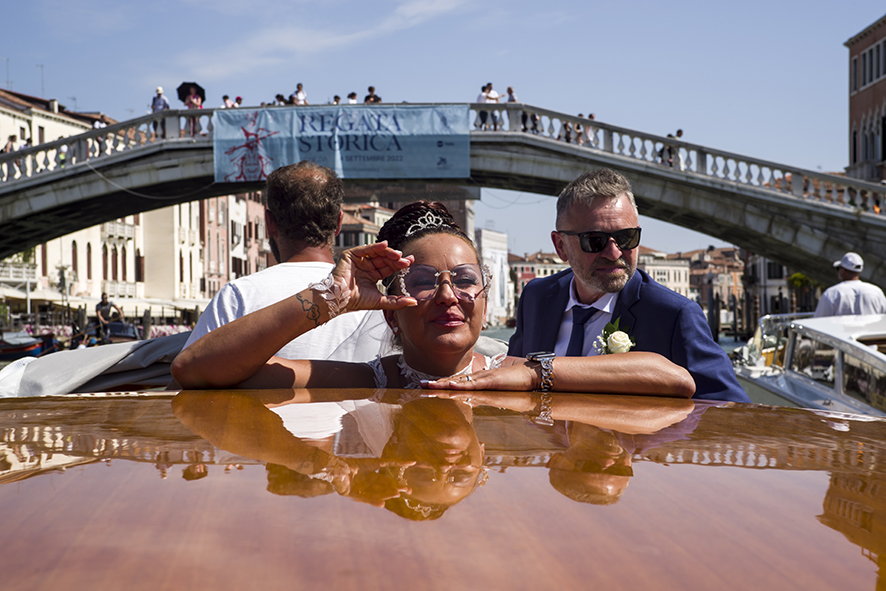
point(610, 284)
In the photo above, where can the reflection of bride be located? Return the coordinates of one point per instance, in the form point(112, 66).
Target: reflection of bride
point(416, 460)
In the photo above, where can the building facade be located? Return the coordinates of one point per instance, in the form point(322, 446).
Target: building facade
point(493, 248)
point(530, 266)
point(767, 286)
point(867, 103)
point(672, 271)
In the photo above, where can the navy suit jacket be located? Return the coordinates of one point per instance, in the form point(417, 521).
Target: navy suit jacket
point(660, 320)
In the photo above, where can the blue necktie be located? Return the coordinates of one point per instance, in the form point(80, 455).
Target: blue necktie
point(580, 317)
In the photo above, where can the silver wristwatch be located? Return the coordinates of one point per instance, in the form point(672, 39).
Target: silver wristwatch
point(546, 360)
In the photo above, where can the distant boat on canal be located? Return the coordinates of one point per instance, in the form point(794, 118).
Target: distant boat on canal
point(15, 345)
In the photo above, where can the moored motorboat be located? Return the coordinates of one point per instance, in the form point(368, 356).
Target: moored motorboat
point(835, 363)
point(15, 345)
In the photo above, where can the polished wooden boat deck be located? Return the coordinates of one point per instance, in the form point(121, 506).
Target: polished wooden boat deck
point(110, 493)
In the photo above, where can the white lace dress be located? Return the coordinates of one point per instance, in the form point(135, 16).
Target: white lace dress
point(381, 378)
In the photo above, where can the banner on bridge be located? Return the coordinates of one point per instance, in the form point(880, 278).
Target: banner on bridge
point(358, 142)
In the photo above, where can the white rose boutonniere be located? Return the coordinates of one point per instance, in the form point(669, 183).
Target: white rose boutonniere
point(613, 340)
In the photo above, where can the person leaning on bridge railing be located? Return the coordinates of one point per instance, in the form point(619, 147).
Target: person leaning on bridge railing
point(512, 98)
point(158, 104)
point(9, 149)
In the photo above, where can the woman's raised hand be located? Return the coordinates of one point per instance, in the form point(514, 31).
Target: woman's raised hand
point(361, 269)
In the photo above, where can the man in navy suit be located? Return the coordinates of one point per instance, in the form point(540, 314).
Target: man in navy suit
point(598, 234)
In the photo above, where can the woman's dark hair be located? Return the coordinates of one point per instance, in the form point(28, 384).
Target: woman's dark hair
point(418, 219)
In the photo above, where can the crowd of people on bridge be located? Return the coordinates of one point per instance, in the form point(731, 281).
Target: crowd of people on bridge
point(299, 98)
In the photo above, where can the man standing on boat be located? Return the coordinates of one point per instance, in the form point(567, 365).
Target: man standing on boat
point(851, 295)
point(569, 313)
point(303, 216)
point(103, 313)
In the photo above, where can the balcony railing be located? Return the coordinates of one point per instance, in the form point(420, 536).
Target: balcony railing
point(17, 272)
point(119, 289)
point(118, 230)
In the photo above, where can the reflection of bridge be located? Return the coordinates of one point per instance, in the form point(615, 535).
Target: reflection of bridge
point(800, 218)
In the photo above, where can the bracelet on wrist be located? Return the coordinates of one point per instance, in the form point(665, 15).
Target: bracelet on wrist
point(334, 291)
point(544, 417)
point(336, 473)
point(545, 359)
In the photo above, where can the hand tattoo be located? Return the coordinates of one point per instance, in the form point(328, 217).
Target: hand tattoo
point(311, 464)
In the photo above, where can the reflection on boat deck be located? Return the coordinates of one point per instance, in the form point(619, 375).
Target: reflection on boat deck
point(780, 474)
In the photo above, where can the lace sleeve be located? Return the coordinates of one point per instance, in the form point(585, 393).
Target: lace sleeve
point(381, 378)
point(495, 362)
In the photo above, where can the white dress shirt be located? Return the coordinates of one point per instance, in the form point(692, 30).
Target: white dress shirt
point(593, 327)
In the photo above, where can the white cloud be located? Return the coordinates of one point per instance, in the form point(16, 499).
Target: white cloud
point(283, 44)
point(88, 18)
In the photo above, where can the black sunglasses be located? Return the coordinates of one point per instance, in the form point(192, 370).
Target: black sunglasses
point(626, 239)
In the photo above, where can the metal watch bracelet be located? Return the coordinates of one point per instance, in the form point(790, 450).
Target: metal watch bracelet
point(544, 417)
point(545, 359)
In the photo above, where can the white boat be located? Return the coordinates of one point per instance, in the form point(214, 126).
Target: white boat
point(835, 363)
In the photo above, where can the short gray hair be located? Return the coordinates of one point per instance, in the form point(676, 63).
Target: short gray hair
point(602, 183)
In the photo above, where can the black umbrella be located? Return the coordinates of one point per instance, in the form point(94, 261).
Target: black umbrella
point(184, 90)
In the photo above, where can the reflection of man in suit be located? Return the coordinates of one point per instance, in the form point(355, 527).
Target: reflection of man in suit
point(598, 234)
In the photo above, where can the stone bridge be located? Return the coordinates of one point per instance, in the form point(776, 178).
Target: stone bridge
point(799, 218)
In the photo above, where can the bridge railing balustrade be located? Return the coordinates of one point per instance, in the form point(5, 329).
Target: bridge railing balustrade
point(680, 156)
point(108, 141)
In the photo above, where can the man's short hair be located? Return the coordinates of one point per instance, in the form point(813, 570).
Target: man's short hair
point(603, 183)
point(305, 200)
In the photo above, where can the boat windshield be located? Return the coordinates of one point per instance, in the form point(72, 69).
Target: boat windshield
point(814, 359)
point(770, 338)
point(863, 381)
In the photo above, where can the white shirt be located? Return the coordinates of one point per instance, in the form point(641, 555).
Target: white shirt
point(593, 327)
point(355, 336)
point(160, 103)
point(352, 101)
point(301, 98)
point(492, 97)
point(851, 297)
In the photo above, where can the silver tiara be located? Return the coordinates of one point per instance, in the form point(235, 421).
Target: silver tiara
point(431, 219)
point(419, 507)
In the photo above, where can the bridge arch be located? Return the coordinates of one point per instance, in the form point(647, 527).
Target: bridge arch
point(799, 218)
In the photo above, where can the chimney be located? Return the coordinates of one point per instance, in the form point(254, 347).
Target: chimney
point(53, 105)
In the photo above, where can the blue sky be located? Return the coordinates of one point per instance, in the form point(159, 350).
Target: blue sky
point(766, 79)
